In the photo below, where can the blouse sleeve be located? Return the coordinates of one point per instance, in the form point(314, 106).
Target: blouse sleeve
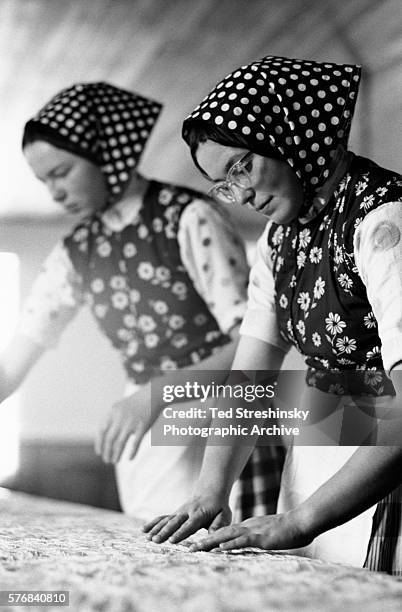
point(378, 256)
point(53, 301)
point(260, 320)
point(215, 260)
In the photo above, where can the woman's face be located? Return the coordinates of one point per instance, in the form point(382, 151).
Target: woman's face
point(275, 190)
point(73, 182)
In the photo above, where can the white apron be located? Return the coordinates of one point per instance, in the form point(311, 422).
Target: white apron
point(160, 478)
point(307, 468)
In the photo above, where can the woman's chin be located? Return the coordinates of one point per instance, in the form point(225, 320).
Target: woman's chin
point(279, 211)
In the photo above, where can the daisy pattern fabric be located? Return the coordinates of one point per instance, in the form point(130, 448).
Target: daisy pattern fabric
point(102, 123)
point(322, 305)
point(140, 293)
point(297, 108)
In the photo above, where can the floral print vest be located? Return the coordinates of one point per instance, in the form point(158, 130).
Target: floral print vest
point(138, 289)
point(321, 301)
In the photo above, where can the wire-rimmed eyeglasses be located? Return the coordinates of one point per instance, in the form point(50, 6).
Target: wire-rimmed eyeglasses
point(237, 176)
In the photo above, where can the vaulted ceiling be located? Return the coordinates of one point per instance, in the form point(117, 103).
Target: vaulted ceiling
point(175, 51)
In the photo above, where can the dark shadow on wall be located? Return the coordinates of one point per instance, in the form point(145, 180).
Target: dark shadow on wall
point(66, 471)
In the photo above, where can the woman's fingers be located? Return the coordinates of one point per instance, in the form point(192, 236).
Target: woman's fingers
point(276, 532)
point(190, 526)
point(112, 439)
point(108, 443)
point(100, 437)
point(175, 527)
point(226, 534)
point(136, 440)
point(243, 541)
point(218, 522)
point(170, 527)
point(188, 519)
point(157, 528)
point(151, 524)
point(118, 445)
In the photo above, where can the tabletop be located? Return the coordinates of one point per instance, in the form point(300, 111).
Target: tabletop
point(104, 560)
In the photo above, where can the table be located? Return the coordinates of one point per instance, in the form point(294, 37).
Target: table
point(104, 560)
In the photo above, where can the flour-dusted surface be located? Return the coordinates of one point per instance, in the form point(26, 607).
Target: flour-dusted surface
point(107, 564)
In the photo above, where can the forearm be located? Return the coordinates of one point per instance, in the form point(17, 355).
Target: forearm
point(7, 387)
point(370, 474)
point(10, 377)
point(222, 465)
point(15, 363)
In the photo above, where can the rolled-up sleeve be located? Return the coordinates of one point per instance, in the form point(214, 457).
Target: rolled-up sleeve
point(260, 320)
point(55, 298)
point(378, 256)
point(214, 257)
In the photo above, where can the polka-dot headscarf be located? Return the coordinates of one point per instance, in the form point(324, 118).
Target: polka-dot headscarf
point(301, 109)
point(102, 123)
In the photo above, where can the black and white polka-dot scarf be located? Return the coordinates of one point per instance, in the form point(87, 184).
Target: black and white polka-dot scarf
point(301, 109)
point(102, 123)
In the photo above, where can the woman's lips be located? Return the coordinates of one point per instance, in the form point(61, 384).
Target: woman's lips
point(250, 202)
point(264, 204)
point(73, 208)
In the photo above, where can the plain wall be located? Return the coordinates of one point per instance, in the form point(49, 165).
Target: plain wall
point(73, 385)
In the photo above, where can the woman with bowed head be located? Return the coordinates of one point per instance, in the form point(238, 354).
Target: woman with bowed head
point(327, 280)
point(162, 270)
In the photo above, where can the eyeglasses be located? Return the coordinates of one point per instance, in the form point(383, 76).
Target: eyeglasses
point(238, 176)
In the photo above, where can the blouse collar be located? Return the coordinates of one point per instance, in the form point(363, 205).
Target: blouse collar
point(122, 214)
point(127, 210)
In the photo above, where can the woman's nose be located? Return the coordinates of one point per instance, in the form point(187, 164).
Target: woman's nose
point(58, 193)
point(244, 196)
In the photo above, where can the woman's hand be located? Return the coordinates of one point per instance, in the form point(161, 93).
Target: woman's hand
point(209, 511)
point(128, 418)
point(273, 532)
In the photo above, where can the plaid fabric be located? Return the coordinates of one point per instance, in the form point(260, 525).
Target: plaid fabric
point(259, 483)
point(384, 552)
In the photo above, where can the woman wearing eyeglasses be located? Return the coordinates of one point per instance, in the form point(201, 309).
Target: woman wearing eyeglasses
point(327, 280)
point(162, 270)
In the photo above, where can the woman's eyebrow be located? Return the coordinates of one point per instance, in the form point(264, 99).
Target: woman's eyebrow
point(49, 173)
point(55, 168)
point(230, 162)
point(226, 169)
point(236, 158)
